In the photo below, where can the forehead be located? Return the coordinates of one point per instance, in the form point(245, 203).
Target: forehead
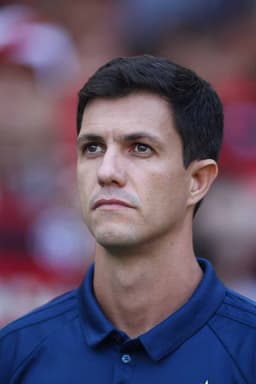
point(134, 111)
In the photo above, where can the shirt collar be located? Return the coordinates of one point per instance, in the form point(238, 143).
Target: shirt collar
point(97, 327)
point(168, 335)
point(186, 321)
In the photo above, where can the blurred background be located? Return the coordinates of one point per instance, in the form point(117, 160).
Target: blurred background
point(48, 48)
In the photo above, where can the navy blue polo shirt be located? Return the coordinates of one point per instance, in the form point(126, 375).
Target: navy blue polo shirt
point(209, 340)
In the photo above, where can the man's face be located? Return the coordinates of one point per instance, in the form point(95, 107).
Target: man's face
point(131, 178)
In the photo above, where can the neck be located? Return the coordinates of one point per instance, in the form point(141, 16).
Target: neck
point(141, 287)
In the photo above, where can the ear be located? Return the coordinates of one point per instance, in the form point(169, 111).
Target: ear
point(202, 175)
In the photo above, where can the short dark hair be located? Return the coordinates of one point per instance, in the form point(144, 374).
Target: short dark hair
point(195, 106)
point(197, 109)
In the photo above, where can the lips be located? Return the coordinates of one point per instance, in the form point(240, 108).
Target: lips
point(110, 203)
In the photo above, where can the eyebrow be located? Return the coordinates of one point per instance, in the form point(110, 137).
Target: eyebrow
point(87, 137)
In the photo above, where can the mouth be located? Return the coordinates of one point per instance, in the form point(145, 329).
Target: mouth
point(111, 204)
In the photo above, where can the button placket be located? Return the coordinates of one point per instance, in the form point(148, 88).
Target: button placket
point(124, 368)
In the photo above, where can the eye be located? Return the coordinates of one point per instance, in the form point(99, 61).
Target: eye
point(92, 149)
point(143, 149)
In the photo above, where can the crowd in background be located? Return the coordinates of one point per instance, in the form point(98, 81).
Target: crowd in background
point(48, 49)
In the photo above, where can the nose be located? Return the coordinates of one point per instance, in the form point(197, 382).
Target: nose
point(112, 169)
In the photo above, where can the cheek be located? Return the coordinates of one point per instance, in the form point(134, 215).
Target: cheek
point(165, 190)
point(80, 182)
point(83, 184)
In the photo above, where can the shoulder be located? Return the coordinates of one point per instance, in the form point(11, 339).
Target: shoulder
point(234, 325)
point(239, 308)
point(20, 338)
point(47, 314)
point(238, 311)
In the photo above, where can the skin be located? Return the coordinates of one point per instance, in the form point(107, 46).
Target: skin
point(137, 200)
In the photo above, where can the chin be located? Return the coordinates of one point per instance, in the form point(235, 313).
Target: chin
point(114, 241)
point(115, 237)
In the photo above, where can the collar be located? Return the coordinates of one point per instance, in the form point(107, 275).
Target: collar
point(96, 326)
point(169, 334)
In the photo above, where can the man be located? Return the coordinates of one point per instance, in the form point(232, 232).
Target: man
point(149, 134)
